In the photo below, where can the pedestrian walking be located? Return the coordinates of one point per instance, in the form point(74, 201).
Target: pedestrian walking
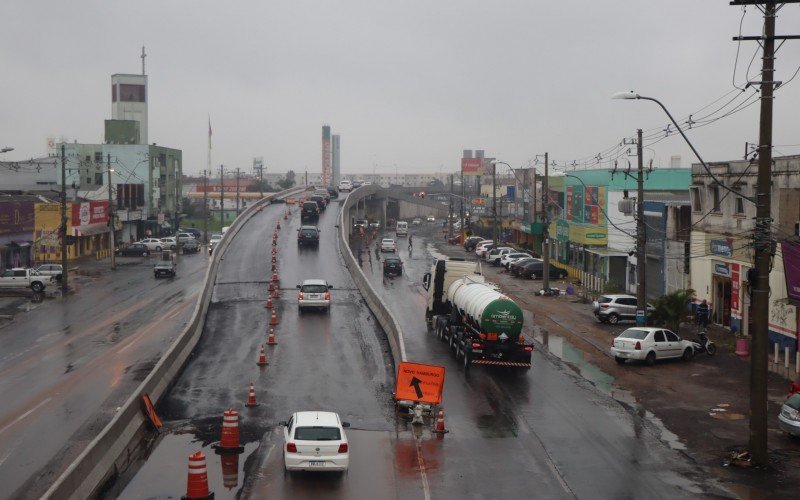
point(702, 313)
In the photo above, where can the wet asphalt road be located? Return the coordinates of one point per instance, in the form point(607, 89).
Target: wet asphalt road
point(547, 432)
point(66, 365)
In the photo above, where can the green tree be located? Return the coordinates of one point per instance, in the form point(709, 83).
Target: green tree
point(288, 181)
point(671, 309)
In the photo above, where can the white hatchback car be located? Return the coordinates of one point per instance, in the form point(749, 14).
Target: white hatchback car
point(649, 344)
point(509, 258)
point(315, 441)
point(169, 243)
point(480, 248)
point(152, 244)
point(314, 293)
point(388, 245)
point(495, 254)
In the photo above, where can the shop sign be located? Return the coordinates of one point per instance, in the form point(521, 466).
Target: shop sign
point(722, 269)
point(735, 287)
point(791, 269)
point(16, 217)
point(562, 230)
point(588, 235)
point(90, 212)
point(722, 247)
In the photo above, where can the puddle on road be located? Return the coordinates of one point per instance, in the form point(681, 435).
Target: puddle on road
point(164, 473)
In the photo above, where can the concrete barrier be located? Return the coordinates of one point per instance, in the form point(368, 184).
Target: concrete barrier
point(382, 313)
point(120, 442)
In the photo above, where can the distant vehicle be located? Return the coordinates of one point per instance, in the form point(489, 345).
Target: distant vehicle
point(515, 267)
point(225, 229)
point(345, 185)
point(510, 257)
point(308, 236)
point(314, 293)
point(315, 441)
point(165, 267)
point(534, 271)
point(416, 222)
point(649, 344)
point(184, 237)
point(494, 255)
point(198, 235)
point(614, 308)
point(320, 201)
point(366, 183)
point(789, 417)
point(401, 228)
point(19, 277)
point(431, 218)
point(133, 250)
point(152, 244)
point(471, 241)
point(480, 248)
point(190, 246)
point(374, 224)
point(213, 242)
point(310, 211)
point(358, 183)
point(361, 223)
point(290, 200)
point(54, 270)
point(388, 245)
point(392, 266)
point(169, 242)
point(333, 192)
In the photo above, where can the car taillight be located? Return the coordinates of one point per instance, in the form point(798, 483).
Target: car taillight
point(638, 346)
point(343, 448)
point(604, 306)
point(327, 295)
point(300, 296)
point(528, 348)
point(476, 345)
point(291, 447)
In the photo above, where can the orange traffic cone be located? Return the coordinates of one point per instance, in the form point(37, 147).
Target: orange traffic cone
point(271, 338)
point(269, 303)
point(274, 267)
point(278, 227)
point(274, 251)
point(275, 277)
point(273, 320)
point(440, 424)
point(275, 235)
point(262, 358)
point(251, 399)
point(274, 259)
point(229, 440)
point(197, 482)
point(276, 294)
point(284, 215)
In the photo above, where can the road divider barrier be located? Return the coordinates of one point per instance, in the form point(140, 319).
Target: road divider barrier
point(122, 441)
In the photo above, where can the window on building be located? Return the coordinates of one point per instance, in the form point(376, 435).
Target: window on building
point(88, 180)
point(98, 178)
point(716, 199)
point(98, 157)
point(739, 205)
point(697, 205)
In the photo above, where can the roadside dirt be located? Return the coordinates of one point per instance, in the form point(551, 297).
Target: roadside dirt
point(699, 407)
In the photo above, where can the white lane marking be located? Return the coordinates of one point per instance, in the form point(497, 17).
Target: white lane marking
point(11, 450)
point(423, 475)
point(42, 403)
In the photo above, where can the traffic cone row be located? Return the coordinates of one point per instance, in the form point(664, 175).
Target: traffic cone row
point(269, 303)
point(262, 358)
point(273, 320)
point(271, 339)
point(251, 398)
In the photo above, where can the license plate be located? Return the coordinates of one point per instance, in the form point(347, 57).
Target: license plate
point(316, 463)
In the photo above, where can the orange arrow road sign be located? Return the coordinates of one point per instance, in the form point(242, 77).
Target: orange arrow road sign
point(418, 382)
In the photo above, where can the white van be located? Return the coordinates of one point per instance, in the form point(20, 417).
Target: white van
point(225, 229)
point(402, 228)
point(345, 185)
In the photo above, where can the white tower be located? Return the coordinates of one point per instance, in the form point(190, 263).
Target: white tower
point(129, 101)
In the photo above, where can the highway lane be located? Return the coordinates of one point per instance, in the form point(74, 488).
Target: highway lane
point(336, 361)
point(68, 364)
point(550, 427)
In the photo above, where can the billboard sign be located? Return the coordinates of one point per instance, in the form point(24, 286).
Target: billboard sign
point(791, 269)
point(471, 166)
point(722, 247)
point(90, 212)
point(16, 217)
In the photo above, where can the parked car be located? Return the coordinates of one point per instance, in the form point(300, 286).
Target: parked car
point(213, 242)
point(388, 245)
point(169, 242)
point(184, 237)
point(480, 248)
point(789, 417)
point(133, 250)
point(534, 271)
point(650, 344)
point(152, 244)
point(191, 246)
point(310, 211)
point(514, 256)
point(516, 267)
point(471, 241)
point(315, 441)
point(494, 255)
point(314, 293)
point(20, 277)
point(308, 236)
point(392, 266)
point(54, 270)
point(614, 308)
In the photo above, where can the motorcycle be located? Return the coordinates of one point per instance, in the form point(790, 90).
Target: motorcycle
point(704, 344)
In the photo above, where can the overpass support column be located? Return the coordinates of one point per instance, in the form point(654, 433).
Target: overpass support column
point(382, 220)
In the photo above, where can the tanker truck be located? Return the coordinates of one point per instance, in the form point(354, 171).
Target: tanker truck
point(481, 325)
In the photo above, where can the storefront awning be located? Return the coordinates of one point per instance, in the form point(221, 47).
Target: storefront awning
point(607, 252)
point(90, 229)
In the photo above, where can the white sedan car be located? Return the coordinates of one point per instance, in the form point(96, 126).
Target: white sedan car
point(649, 344)
point(315, 440)
point(314, 293)
point(509, 258)
point(152, 244)
point(388, 245)
point(169, 243)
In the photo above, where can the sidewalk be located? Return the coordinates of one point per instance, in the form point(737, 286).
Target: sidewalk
point(699, 408)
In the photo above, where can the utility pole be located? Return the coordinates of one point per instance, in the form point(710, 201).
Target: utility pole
point(546, 229)
point(261, 179)
point(641, 238)
point(450, 213)
point(205, 206)
point(463, 224)
point(111, 242)
point(237, 191)
point(221, 197)
point(63, 229)
point(494, 203)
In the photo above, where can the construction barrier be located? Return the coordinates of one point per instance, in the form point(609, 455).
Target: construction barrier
point(572, 272)
point(121, 442)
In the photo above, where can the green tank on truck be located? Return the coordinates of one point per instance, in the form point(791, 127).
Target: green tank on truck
point(482, 325)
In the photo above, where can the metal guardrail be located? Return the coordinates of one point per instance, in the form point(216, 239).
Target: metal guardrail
point(119, 443)
point(384, 316)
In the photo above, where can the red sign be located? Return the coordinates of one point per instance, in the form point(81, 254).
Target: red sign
point(471, 165)
point(569, 202)
point(735, 287)
point(90, 212)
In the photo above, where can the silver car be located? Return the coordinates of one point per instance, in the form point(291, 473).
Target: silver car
point(615, 308)
point(314, 293)
point(789, 417)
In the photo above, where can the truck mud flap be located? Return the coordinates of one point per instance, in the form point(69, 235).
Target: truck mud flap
point(520, 364)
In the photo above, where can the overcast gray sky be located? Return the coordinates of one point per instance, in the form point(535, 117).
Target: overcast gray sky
point(410, 83)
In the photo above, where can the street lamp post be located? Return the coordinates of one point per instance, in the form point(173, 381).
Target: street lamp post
point(111, 242)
